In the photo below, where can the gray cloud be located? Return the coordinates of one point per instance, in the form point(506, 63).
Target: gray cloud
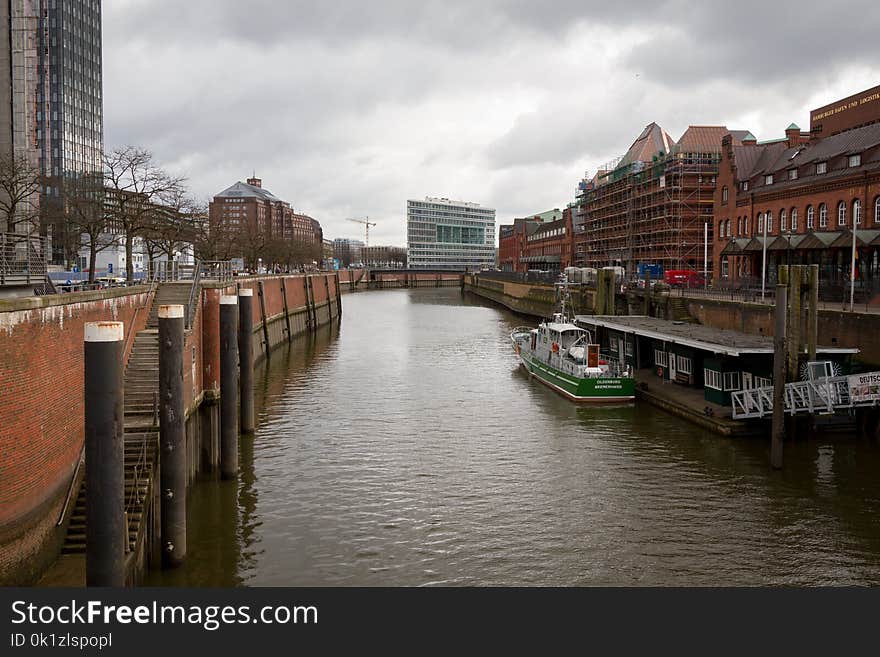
point(349, 108)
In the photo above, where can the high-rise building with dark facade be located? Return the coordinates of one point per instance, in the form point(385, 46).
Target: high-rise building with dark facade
point(50, 59)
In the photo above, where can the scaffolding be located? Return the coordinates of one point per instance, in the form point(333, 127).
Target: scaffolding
point(651, 212)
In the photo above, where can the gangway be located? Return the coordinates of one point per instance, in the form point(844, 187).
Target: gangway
point(821, 393)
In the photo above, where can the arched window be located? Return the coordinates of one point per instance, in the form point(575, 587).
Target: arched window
point(857, 212)
point(724, 194)
point(739, 226)
point(760, 224)
point(811, 218)
point(794, 223)
point(747, 228)
point(721, 229)
point(877, 211)
point(783, 221)
point(823, 216)
point(841, 214)
point(769, 220)
point(729, 233)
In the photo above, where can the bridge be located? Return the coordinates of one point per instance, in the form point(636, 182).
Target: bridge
point(825, 394)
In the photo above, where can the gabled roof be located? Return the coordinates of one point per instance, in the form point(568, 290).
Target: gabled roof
point(653, 141)
point(702, 139)
point(243, 190)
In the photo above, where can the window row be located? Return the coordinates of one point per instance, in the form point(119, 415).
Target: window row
point(789, 221)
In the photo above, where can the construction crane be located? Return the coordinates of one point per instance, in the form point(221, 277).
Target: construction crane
point(366, 223)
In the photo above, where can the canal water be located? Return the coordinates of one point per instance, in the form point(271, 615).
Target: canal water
point(406, 447)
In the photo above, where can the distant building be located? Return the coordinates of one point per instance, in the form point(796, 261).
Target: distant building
point(444, 234)
point(384, 257)
point(514, 238)
point(257, 223)
point(348, 251)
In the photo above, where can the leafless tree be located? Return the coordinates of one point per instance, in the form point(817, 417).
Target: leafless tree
point(82, 210)
point(136, 186)
point(19, 195)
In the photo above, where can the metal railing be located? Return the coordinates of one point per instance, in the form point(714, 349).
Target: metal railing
point(23, 259)
point(190, 306)
point(216, 270)
point(167, 272)
point(825, 395)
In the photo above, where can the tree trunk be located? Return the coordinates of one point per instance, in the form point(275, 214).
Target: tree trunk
point(93, 252)
point(129, 265)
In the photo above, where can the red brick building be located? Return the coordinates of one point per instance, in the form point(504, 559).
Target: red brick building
point(549, 245)
point(529, 243)
point(253, 218)
point(652, 205)
point(807, 192)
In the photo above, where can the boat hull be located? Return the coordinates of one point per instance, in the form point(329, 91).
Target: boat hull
point(602, 390)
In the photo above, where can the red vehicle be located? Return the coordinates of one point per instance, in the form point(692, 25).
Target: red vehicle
point(683, 278)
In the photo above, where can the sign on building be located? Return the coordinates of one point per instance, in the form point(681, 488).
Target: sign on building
point(864, 387)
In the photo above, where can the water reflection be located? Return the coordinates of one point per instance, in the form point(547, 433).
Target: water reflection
point(408, 448)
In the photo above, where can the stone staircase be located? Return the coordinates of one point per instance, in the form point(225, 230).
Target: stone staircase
point(678, 311)
point(141, 422)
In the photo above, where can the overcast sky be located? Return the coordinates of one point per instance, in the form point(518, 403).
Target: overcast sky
point(349, 108)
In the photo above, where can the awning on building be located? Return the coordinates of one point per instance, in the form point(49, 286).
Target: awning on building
point(735, 246)
point(542, 258)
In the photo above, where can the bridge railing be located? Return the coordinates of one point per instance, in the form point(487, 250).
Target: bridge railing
point(825, 395)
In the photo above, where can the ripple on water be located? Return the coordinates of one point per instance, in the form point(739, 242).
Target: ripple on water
point(410, 449)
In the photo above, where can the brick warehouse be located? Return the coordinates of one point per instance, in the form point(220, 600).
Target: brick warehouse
point(519, 251)
point(807, 191)
point(654, 204)
point(251, 217)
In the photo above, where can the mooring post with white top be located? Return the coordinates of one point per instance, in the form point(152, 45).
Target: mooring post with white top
point(229, 386)
point(246, 357)
point(172, 435)
point(104, 450)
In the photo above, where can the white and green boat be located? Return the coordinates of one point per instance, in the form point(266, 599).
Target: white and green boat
point(563, 356)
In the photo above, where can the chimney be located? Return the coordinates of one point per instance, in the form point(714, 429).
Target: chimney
point(793, 134)
point(749, 140)
point(255, 182)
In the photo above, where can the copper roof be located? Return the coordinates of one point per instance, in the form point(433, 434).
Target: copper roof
point(653, 141)
point(702, 139)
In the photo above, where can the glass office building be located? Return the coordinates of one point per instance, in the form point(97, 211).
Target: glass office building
point(444, 234)
point(73, 141)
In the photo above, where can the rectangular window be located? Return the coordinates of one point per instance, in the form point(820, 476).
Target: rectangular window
point(855, 160)
point(732, 381)
point(745, 185)
point(768, 179)
point(792, 174)
point(761, 382)
point(821, 167)
point(683, 364)
point(629, 348)
point(712, 379)
point(660, 358)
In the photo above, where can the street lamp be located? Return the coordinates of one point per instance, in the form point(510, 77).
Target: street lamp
point(764, 259)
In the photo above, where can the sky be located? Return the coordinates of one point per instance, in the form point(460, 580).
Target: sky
point(348, 108)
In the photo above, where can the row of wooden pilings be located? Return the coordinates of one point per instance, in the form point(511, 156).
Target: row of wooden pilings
point(104, 444)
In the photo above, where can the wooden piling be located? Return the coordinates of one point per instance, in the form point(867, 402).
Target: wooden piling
point(779, 357)
point(172, 435)
point(106, 531)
